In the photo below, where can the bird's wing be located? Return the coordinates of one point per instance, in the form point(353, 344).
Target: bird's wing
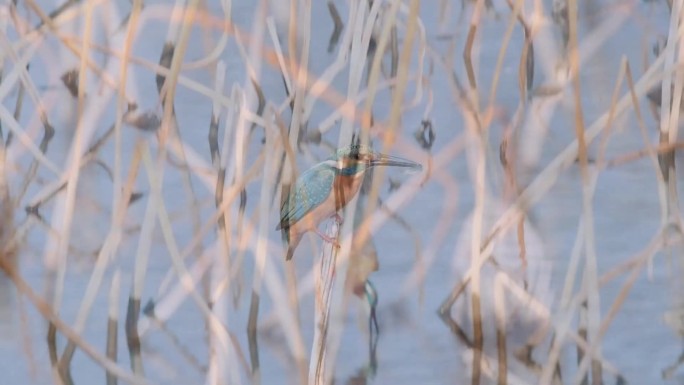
point(311, 189)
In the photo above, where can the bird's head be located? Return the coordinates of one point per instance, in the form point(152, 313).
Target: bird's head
point(355, 159)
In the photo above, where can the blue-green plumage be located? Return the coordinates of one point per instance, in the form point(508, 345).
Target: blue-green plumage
point(327, 187)
point(311, 189)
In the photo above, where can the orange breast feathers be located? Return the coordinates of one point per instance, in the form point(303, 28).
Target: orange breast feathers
point(344, 189)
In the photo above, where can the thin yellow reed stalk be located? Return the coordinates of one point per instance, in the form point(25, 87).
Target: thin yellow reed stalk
point(261, 259)
point(588, 178)
point(502, 51)
point(389, 135)
point(349, 52)
point(360, 39)
point(121, 199)
point(220, 46)
point(374, 74)
point(299, 25)
point(67, 204)
point(149, 220)
point(220, 266)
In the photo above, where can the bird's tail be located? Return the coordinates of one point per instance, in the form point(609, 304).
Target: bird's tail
point(292, 245)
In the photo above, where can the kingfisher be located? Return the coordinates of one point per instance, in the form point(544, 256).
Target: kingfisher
point(321, 191)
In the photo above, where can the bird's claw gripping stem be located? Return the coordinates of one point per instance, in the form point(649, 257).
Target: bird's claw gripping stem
point(328, 239)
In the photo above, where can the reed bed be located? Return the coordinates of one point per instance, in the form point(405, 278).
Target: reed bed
point(146, 149)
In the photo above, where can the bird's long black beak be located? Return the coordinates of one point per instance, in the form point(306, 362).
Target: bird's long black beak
point(394, 161)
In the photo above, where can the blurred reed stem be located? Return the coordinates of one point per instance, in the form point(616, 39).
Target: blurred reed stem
point(113, 324)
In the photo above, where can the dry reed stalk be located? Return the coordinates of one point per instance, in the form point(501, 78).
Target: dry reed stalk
point(359, 39)
point(105, 256)
point(477, 140)
point(220, 265)
point(338, 26)
point(299, 28)
point(252, 61)
point(334, 295)
point(235, 276)
point(170, 58)
point(396, 104)
point(28, 85)
point(580, 237)
point(321, 367)
point(669, 126)
point(214, 56)
point(65, 204)
point(139, 272)
point(271, 148)
point(167, 87)
point(588, 177)
point(236, 171)
point(350, 51)
point(299, 71)
point(121, 198)
point(668, 123)
point(515, 15)
point(113, 323)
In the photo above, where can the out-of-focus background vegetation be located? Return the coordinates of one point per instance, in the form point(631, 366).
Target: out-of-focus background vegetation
point(145, 147)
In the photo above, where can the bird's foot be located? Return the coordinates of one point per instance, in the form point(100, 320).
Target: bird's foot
point(328, 239)
point(338, 218)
